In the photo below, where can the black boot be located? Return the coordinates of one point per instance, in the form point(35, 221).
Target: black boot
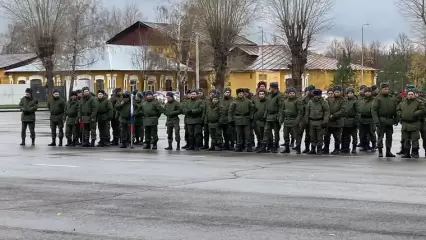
point(69, 142)
point(406, 153)
point(53, 143)
point(226, 147)
point(32, 141)
point(169, 147)
point(353, 149)
point(374, 147)
point(60, 142)
point(297, 149)
point(123, 144)
point(286, 148)
point(101, 143)
point(274, 148)
point(232, 146)
point(212, 148)
point(249, 148)
point(147, 146)
point(326, 149)
point(312, 151)
point(415, 153)
point(319, 150)
point(262, 149)
point(257, 146)
point(92, 143)
point(336, 150)
point(401, 151)
point(380, 152)
point(238, 148)
point(154, 146)
point(389, 153)
point(345, 148)
point(185, 146)
point(177, 146)
point(86, 143)
point(205, 147)
point(74, 142)
point(306, 150)
point(22, 142)
point(114, 142)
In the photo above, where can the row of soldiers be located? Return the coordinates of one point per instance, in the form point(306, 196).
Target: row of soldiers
point(230, 122)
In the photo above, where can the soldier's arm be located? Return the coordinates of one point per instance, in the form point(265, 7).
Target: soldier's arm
point(159, 109)
point(33, 108)
point(357, 112)
point(176, 111)
point(399, 111)
point(306, 112)
point(21, 104)
point(299, 109)
point(375, 110)
point(48, 105)
point(281, 111)
point(118, 106)
point(326, 110)
point(231, 111)
point(94, 109)
point(110, 110)
point(342, 110)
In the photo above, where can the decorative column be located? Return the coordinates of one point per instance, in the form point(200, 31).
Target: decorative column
point(10, 79)
point(109, 83)
point(125, 82)
point(114, 81)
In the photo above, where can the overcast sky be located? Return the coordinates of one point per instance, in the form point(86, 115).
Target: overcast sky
point(348, 15)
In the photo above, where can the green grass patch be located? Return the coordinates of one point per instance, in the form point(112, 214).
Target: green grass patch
point(16, 106)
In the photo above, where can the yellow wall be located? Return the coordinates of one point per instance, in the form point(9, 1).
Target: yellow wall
point(120, 76)
point(3, 78)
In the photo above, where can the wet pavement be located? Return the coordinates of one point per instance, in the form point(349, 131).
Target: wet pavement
point(109, 193)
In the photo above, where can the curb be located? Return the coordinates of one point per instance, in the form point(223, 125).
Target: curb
point(18, 110)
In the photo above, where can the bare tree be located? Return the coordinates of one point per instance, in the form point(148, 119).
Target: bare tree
point(84, 36)
point(300, 23)
point(13, 40)
point(43, 22)
point(334, 49)
point(179, 35)
point(414, 10)
point(221, 21)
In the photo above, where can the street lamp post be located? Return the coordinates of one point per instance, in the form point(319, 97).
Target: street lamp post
point(262, 47)
point(362, 52)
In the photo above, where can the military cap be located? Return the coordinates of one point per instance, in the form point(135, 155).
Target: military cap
point(148, 93)
point(78, 91)
point(362, 87)
point(188, 91)
point(373, 87)
point(170, 94)
point(337, 88)
point(348, 90)
point(384, 85)
point(215, 96)
point(55, 90)
point(273, 85)
point(291, 89)
point(310, 88)
point(139, 95)
point(306, 89)
point(194, 91)
point(135, 92)
point(317, 92)
point(28, 90)
point(246, 90)
point(414, 90)
point(213, 91)
point(85, 89)
point(144, 93)
point(126, 95)
point(73, 93)
point(368, 89)
point(261, 83)
point(200, 90)
point(101, 91)
point(227, 90)
point(330, 89)
point(116, 90)
point(239, 90)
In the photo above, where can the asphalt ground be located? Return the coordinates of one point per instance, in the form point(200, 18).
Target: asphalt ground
point(52, 193)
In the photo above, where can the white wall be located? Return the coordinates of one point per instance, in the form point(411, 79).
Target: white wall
point(12, 93)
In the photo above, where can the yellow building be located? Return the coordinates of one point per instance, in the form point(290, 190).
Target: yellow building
point(108, 67)
point(10, 61)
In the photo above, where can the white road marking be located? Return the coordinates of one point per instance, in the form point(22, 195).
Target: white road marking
point(50, 165)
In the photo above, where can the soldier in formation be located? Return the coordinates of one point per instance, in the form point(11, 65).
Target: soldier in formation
point(263, 114)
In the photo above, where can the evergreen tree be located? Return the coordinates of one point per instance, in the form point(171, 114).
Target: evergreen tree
point(344, 75)
point(395, 69)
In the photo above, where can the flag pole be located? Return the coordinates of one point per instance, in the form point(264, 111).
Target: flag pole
point(132, 121)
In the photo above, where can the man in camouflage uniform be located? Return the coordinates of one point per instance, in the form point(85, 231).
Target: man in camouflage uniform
point(116, 97)
point(375, 90)
point(56, 108)
point(360, 97)
point(151, 110)
point(80, 125)
point(259, 118)
point(317, 115)
point(421, 97)
point(88, 113)
point(241, 112)
point(291, 115)
point(337, 107)
point(123, 110)
point(205, 129)
point(214, 114)
point(305, 99)
point(187, 97)
point(28, 106)
point(138, 121)
point(71, 120)
point(384, 116)
point(194, 112)
point(351, 124)
point(272, 124)
point(227, 127)
point(367, 130)
point(409, 112)
point(172, 110)
point(330, 93)
point(104, 116)
point(249, 96)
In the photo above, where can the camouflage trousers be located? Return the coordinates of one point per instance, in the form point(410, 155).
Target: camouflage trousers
point(151, 134)
point(139, 133)
point(173, 128)
point(347, 134)
point(316, 133)
point(272, 133)
point(116, 128)
point(367, 134)
point(195, 136)
point(57, 125)
point(89, 131)
point(411, 139)
point(243, 135)
point(228, 131)
point(71, 131)
point(125, 133)
point(30, 126)
point(423, 134)
point(215, 135)
point(103, 128)
point(336, 132)
point(383, 131)
point(294, 132)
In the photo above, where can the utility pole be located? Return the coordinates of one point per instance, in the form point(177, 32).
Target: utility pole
point(362, 52)
point(197, 62)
